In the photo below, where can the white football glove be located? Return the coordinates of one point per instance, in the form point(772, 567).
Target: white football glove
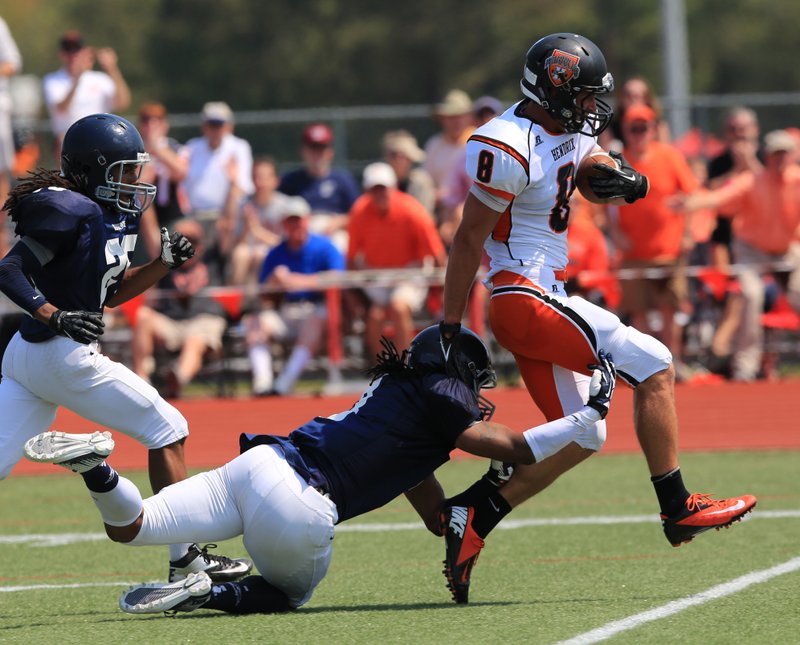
point(175, 250)
point(601, 387)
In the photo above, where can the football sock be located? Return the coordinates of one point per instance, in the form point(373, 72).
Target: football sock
point(100, 479)
point(671, 492)
point(121, 505)
point(488, 513)
point(250, 595)
point(479, 490)
point(261, 364)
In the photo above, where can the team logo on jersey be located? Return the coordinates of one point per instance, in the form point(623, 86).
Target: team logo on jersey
point(562, 67)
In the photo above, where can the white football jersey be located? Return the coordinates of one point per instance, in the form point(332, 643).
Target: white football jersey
point(525, 172)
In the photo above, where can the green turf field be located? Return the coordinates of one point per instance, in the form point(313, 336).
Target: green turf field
point(534, 583)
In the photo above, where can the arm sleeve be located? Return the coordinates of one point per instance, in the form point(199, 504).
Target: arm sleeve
point(14, 282)
point(499, 172)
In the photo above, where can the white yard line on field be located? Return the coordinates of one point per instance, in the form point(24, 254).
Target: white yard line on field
point(714, 593)
point(60, 539)
point(72, 585)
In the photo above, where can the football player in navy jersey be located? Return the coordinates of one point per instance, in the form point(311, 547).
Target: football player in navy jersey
point(286, 494)
point(76, 228)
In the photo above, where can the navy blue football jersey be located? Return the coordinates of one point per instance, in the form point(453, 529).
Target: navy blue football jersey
point(400, 431)
point(90, 246)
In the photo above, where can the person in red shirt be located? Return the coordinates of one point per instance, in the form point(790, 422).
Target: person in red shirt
point(651, 234)
point(765, 206)
point(589, 269)
point(389, 229)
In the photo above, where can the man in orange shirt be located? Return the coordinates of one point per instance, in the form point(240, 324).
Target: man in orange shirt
point(650, 234)
point(389, 229)
point(765, 205)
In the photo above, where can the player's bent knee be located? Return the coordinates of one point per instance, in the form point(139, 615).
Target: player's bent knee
point(126, 533)
point(593, 438)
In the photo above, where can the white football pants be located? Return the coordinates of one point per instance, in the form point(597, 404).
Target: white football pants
point(287, 526)
point(40, 377)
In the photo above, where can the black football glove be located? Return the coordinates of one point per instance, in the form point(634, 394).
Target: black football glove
point(82, 326)
point(604, 380)
point(619, 182)
point(175, 250)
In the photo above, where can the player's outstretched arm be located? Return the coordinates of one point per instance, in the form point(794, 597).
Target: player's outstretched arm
point(175, 251)
point(495, 441)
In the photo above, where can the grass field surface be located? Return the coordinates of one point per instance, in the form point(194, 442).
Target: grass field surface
point(585, 560)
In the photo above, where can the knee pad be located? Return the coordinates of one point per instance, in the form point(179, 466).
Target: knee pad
point(593, 437)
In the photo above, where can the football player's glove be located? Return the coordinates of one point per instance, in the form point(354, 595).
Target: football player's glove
point(601, 387)
point(82, 326)
point(619, 182)
point(175, 250)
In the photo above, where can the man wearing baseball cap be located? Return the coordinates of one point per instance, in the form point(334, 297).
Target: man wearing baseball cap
point(220, 169)
point(77, 90)
point(329, 191)
point(389, 229)
point(293, 265)
point(401, 152)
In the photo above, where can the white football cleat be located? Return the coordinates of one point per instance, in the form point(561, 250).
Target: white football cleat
point(153, 598)
point(76, 452)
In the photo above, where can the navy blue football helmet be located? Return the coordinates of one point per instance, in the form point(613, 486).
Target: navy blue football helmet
point(557, 68)
point(471, 365)
point(103, 155)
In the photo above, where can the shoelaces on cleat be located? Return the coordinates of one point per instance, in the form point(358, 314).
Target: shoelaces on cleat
point(212, 558)
point(696, 499)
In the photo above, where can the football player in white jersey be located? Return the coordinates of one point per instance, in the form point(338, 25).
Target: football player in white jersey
point(523, 163)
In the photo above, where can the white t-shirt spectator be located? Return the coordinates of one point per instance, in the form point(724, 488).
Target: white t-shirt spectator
point(206, 184)
point(94, 94)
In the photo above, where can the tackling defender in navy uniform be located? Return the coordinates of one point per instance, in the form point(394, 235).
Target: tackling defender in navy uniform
point(76, 229)
point(285, 494)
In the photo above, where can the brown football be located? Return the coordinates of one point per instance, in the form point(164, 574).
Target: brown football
point(585, 170)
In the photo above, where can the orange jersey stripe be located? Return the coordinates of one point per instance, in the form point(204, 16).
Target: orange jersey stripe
point(504, 147)
point(495, 191)
point(502, 230)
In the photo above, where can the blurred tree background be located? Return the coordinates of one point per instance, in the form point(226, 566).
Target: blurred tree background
point(282, 54)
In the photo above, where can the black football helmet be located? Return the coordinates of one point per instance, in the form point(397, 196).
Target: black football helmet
point(472, 365)
point(558, 68)
point(98, 152)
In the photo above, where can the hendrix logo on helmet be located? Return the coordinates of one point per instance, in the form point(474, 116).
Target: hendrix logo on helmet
point(562, 68)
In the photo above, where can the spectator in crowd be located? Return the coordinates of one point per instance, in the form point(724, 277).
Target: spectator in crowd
point(217, 160)
point(459, 182)
point(293, 266)
point(77, 90)
point(649, 234)
point(403, 154)
point(741, 154)
point(445, 149)
point(391, 230)
point(182, 321)
point(329, 191)
point(765, 205)
point(634, 91)
point(254, 221)
point(166, 171)
point(10, 64)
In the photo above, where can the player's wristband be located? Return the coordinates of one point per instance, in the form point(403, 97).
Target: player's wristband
point(448, 330)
